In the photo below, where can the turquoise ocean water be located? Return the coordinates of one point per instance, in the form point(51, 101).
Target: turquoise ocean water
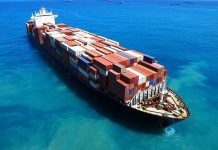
point(40, 109)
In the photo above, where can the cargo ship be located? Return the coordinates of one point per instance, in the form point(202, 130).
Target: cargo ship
point(133, 79)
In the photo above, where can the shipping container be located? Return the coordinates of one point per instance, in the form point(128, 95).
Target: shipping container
point(113, 75)
point(102, 50)
point(154, 66)
point(149, 59)
point(141, 76)
point(119, 68)
point(126, 56)
point(67, 32)
point(76, 50)
point(129, 77)
point(137, 55)
point(93, 53)
point(84, 63)
point(61, 25)
point(102, 63)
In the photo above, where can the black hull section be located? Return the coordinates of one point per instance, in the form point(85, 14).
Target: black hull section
point(127, 115)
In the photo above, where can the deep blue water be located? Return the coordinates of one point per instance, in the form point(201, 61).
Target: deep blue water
point(40, 109)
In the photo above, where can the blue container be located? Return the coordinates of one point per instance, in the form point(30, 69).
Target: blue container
point(126, 56)
point(149, 59)
point(84, 62)
point(152, 82)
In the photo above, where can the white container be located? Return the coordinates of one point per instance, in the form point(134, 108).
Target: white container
point(139, 57)
point(110, 49)
point(117, 49)
point(76, 50)
point(88, 40)
point(89, 47)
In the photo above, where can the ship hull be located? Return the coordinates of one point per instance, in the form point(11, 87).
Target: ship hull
point(140, 117)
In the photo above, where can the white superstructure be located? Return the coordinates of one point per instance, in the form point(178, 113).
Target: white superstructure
point(43, 16)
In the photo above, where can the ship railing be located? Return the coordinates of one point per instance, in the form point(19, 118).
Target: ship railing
point(180, 101)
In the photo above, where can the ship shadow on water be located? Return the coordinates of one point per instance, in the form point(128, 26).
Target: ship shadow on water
point(117, 113)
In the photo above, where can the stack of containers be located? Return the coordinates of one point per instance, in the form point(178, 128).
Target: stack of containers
point(155, 67)
point(84, 55)
point(113, 76)
point(93, 53)
point(83, 67)
point(122, 84)
point(40, 30)
point(76, 50)
point(114, 46)
point(94, 77)
point(103, 66)
point(119, 68)
point(67, 32)
point(101, 50)
point(138, 55)
point(53, 37)
point(96, 38)
point(61, 25)
point(131, 56)
point(126, 56)
point(69, 38)
point(123, 90)
point(74, 30)
point(117, 59)
point(141, 77)
point(129, 77)
point(149, 74)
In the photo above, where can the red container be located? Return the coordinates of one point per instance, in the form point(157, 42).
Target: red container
point(92, 53)
point(102, 63)
point(154, 66)
point(149, 75)
point(117, 59)
point(81, 41)
point(119, 68)
point(113, 75)
point(101, 50)
point(69, 38)
point(129, 77)
point(71, 43)
point(100, 45)
point(67, 32)
point(96, 38)
point(74, 30)
point(61, 25)
point(93, 70)
point(148, 71)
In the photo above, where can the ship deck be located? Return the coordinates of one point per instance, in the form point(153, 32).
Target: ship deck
point(172, 106)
